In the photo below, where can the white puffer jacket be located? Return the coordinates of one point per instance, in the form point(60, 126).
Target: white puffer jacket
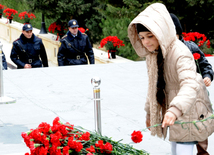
point(186, 94)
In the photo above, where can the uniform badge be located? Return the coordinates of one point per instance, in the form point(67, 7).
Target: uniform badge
point(74, 23)
point(28, 26)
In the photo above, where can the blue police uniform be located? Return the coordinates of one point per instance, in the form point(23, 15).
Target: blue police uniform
point(29, 51)
point(73, 49)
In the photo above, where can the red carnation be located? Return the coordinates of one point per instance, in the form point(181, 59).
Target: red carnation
point(108, 148)
point(100, 145)
point(85, 136)
point(196, 56)
point(66, 150)
point(81, 29)
point(137, 136)
point(91, 149)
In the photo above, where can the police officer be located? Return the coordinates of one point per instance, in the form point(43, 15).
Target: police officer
point(28, 51)
point(75, 47)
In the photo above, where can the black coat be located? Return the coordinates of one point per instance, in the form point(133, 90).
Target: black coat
point(204, 65)
point(4, 62)
point(67, 55)
point(29, 51)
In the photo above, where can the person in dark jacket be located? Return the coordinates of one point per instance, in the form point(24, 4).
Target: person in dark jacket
point(205, 71)
point(4, 62)
point(205, 67)
point(28, 51)
point(75, 47)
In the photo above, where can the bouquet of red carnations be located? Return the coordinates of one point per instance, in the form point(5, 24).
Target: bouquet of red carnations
point(196, 37)
point(10, 12)
point(111, 43)
point(27, 16)
point(65, 139)
point(200, 39)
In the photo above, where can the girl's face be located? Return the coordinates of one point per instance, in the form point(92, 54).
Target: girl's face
point(149, 41)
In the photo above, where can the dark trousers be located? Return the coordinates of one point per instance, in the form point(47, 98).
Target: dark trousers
point(202, 148)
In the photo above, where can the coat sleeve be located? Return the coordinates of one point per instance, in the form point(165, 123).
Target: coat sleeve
point(89, 51)
point(203, 64)
point(61, 54)
point(4, 62)
point(14, 55)
point(205, 67)
point(43, 55)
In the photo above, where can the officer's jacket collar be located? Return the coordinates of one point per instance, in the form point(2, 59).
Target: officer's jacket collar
point(23, 39)
point(70, 36)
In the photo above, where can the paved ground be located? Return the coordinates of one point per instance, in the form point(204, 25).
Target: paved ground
point(42, 94)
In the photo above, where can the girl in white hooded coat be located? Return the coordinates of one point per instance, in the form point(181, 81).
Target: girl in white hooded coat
point(176, 92)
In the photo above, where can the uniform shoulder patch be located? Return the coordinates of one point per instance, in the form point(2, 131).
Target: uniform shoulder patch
point(64, 36)
point(17, 39)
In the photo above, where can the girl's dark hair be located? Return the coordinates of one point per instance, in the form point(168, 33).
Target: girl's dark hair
point(160, 96)
point(141, 28)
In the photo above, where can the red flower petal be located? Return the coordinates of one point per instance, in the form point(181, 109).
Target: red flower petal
point(137, 136)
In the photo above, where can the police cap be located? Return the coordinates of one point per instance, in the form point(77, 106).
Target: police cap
point(27, 27)
point(73, 23)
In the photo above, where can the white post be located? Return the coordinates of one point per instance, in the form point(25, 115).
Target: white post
point(97, 108)
point(3, 99)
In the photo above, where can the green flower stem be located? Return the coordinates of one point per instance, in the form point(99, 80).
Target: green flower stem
point(182, 123)
point(198, 66)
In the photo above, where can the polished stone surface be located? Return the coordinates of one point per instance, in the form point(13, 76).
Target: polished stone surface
point(45, 93)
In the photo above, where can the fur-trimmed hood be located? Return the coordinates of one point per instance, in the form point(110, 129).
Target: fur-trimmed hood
point(157, 19)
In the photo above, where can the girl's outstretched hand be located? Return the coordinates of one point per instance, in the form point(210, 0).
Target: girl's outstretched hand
point(169, 119)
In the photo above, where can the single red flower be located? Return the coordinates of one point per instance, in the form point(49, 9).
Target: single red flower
point(81, 29)
point(66, 150)
point(79, 147)
point(91, 149)
point(108, 148)
point(85, 136)
point(137, 136)
point(44, 127)
point(196, 56)
point(101, 146)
